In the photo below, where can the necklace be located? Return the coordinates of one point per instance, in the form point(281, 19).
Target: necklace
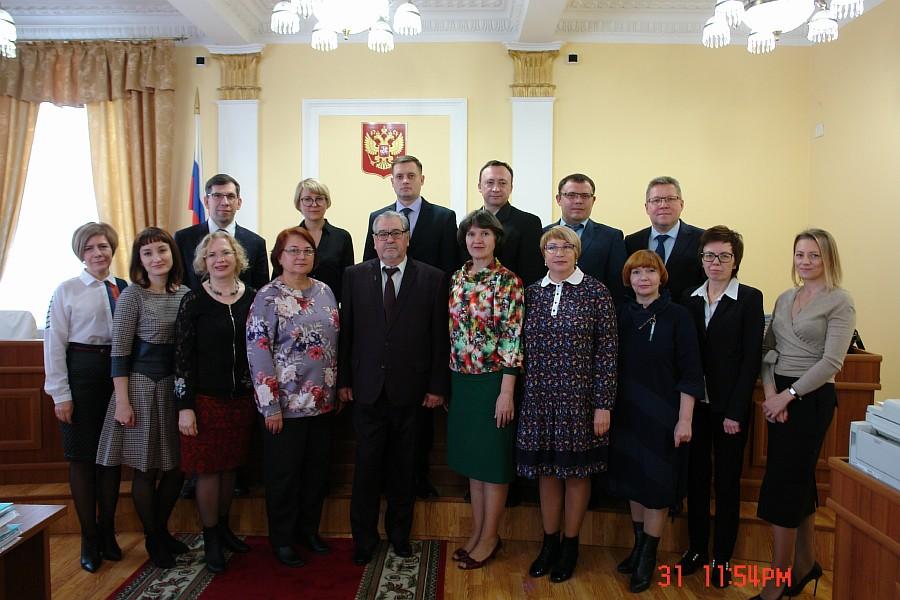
point(237, 288)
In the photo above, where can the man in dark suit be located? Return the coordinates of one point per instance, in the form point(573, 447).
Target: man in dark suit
point(521, 252)
point(676, 242)
point(222, 202)
point(432, 241)
point(602, 247)
point(394, 354)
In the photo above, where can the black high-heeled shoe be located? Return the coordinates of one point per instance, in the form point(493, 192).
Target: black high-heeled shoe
point(814, 573)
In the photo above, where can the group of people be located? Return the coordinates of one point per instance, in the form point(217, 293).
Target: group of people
point(563, 353)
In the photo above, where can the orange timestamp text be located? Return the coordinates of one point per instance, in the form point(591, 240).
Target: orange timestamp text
point(742, 575)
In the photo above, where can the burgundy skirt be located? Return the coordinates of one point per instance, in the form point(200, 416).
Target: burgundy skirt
point(222, 442)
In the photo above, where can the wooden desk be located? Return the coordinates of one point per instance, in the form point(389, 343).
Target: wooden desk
point(25, 566)
point(866, 534)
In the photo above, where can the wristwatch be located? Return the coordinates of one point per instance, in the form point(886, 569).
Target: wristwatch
point(793, 392)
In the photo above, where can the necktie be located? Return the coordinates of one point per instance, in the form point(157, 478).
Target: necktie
point(576, 227)
point(406, 212)
point(660, 246)
point(390, 292)
point(112, 293)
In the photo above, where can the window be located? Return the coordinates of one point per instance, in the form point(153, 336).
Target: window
point(58, 198)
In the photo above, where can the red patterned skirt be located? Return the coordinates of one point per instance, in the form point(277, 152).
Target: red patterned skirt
point(222, 442)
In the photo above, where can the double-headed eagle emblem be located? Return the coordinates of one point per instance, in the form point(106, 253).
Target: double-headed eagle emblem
point(382, 142)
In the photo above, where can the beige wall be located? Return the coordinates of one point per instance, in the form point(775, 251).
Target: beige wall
point(736, 129)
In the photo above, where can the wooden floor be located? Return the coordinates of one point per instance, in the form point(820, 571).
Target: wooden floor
point(504, 578)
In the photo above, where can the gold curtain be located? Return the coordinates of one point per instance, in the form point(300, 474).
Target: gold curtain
point(129, 91)
point(17, 121)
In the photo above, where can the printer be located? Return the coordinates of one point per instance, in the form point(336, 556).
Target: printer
point(875, 442)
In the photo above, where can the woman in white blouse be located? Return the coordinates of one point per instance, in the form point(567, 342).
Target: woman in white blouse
point(77, 366)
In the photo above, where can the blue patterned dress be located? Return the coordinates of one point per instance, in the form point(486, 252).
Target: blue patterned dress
point(571, 352)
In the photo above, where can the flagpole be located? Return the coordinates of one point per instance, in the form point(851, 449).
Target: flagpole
point(195, 203)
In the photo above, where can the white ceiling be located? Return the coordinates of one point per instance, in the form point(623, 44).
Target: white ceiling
point(241, 22)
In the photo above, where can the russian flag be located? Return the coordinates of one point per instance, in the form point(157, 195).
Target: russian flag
point(195, 201)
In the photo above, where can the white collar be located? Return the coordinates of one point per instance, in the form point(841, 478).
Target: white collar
point(401, 266)
point(213, 227)
point(575, 278)
point(88, 279)
point(416, 206)
point(731, 291)
point(672, 233)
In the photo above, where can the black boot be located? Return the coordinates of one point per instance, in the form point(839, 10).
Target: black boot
point(109, 547)
point(229, 539)
point(212, 550)
point(568, 558)
point(90, 553)
point(627, 565)
point(548, 556)
point(646, 564)
point(172, 545)
point(159, 556)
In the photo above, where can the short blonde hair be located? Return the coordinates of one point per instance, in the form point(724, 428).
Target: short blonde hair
point(563, 234)
point(643, 259)
point(315, 186)
point(240, 255)
point(87, 231)
point(831, 260)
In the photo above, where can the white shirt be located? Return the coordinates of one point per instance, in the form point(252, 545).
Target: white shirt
point(575, 278)
point(710, 309)
point(415, 207)
point(397, 277)
point(669, 243)
point(79, 312)
point(232, 227)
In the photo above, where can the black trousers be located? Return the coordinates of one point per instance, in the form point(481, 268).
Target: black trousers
point(295, 469)
point(385, 450)
point(715, 456)
point(424, 442)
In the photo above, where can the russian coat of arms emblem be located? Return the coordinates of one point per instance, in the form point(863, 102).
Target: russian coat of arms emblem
point(381, 144)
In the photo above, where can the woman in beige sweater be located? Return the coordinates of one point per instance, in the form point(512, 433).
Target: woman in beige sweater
point(803, 350)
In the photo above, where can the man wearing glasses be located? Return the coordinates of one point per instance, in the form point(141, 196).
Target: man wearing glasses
point(222, 202)
point(393, 362)
point(602, 247)
point(676, 242)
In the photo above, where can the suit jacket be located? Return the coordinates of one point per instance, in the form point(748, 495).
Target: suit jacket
point(335, 253)
point(405, 356)
point(433, 242)
point(602, 256)
point(731, 348)
point(256, 275)
point(683, 265)
point(521, 250)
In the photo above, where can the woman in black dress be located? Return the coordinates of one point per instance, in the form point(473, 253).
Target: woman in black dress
point(213, 390)
point(77, 343)
point(660, 376)
point(334, 246)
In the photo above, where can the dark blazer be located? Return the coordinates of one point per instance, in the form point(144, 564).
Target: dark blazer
point(433, 242)
point(335, 253)
point(602, 256)
point(256, 275)
point(683, 265)
point(405, 356)
point(521, 251)
point(731, 348)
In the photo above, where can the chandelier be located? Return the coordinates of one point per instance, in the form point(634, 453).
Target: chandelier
point(7, 35)
point(347, 17)
point(768, 19)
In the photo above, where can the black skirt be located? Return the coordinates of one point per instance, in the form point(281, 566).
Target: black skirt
point(788, 493)
point(92, 388)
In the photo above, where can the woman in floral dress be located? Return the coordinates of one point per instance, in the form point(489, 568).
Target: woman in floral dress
point(486, 312)
point(292, 338)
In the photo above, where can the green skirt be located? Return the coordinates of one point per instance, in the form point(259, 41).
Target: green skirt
point(476, 448)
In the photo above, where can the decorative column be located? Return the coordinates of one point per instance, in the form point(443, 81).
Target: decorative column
point(532, 126)
point(239, 123)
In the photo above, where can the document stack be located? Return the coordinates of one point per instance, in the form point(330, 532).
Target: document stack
point(875, 442)
point(9, 531)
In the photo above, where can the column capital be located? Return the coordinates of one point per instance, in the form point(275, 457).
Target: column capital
point(533, 74)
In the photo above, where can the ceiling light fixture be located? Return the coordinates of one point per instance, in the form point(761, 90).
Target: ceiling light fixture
point(347, 17)
point(7, 35)
point(768, 19)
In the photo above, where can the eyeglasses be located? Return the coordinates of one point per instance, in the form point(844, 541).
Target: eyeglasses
point(657, 200)
point(394, 234)
point(577, 195)
point(217, 255)
point(313, 201)
point(294, 251)
point(724, 257)
point(219, 196)
point(559, 248)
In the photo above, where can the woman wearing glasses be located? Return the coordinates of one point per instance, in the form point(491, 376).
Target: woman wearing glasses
point(213, 391)
point(728, 317)
point(571, 353)
point(486, 311)
point(660, 376)
point(334, 246)
point(292, 336)
point(804, 347)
